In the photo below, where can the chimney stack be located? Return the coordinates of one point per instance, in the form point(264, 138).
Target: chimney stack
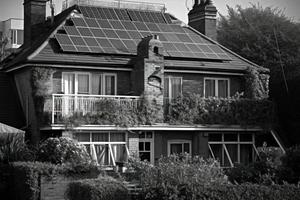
point(34, 13)
point(203, 18)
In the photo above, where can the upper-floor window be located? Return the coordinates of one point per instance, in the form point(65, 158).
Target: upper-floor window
point(88, 83)
point(216, 87)
point(16, 36)
point(172, 87)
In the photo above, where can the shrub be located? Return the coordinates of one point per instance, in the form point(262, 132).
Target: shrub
point(13, 148)
point(102, 188)
point(63, 150)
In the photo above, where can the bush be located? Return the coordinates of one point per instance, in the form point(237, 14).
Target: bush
point(63, 150)
point(102, 188)
point(13, 148)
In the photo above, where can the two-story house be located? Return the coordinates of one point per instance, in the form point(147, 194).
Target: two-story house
point(128, 78)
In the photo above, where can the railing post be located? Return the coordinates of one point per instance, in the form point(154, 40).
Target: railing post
point(53, 108)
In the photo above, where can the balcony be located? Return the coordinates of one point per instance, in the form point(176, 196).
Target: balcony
point(74, 107)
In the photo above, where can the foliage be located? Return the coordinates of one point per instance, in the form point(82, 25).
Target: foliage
point(109, 111)
point(24, 177)
point(290, 170)
point(176, 176)
point(252, 32)
point(13, 148)
point(257, 84)
point(63, 150)
point(41, 81)
point(3, 51)
point(194, 109)
point(102, 188)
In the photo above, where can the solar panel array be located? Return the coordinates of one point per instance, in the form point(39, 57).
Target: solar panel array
point(120, 35)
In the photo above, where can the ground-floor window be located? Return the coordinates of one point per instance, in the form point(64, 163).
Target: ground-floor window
point(231, 148)
point(146, 146)
point(179, 146)
point(105, 148)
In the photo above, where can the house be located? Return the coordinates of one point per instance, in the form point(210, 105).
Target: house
point(117, 77)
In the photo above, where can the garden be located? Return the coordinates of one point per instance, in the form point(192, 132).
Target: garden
point(60, 168)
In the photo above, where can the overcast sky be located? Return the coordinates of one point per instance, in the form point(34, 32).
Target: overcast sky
point(14, 8)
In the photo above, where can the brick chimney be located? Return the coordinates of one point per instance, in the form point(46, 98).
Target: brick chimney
point(203, 18)
point(34, 13)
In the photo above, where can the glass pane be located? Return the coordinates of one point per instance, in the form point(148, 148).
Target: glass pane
point(166, 87)
point(175, 87)
point(83, 137)
point(186, 148)
point(83, 84)
point(145, 156)
point(246, 155)
point(119, 152)
point(246, 137)
point(96, 84)
point(69, 83)
point(215, 137)
point(223, 88)
point(109, 85)
point(20, 37)
point(117, 137)
point(231, 137)
point(233, 152)
point(217, 150)
point(100, 137)
point(142, 135)
point(210, 88)
point(147, 146)
point(141, 146)
point(176, 148)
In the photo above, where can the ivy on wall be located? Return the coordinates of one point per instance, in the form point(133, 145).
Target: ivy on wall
point(41, 83)
point(257, 84)
point(194, 109)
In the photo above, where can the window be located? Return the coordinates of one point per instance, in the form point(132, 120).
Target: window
point(230, 148)
point(87, 83)
point(104, 84)
point(17, 36)
point(179, 146)
point(216, 87)
point(146, 146)
point(172, 87)
point(105, 148)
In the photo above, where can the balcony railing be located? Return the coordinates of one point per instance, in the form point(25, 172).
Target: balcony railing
point(66, 105)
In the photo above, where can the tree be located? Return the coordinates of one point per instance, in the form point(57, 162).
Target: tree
point(3, 52)
point(263, 35)
point(270, 39)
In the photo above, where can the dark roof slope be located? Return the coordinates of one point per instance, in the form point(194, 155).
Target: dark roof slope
point(81, 34)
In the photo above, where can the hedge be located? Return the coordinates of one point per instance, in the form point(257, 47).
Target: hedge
point(102, 188)
point(25, 176)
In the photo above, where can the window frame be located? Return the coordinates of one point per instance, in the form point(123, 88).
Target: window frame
point(14, 36)
point(237, 142)
point(151, 140)
point(90, 75)
point(182, 142)
point(216, 80)
point(170, 86)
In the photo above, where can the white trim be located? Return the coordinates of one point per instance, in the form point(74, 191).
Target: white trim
point(182, 142)
point(168, 78)
point(156, 127)
point(202, 72)
point(151, 140)
point(216, 85)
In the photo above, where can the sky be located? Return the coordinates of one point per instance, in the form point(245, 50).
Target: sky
point(179, 8)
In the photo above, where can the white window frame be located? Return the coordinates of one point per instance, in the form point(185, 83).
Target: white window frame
point(216, 80)
point(170, 86)
point(111, 157)
point(238, 143)
point(103, 75)
point(179, 142)
point(151, 140)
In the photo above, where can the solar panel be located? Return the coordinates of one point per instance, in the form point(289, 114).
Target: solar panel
point(107, 13)
point(79, 21)
point(71, 30)
point(112, 13)
point(96, 50)
point(91, 42)
point(141, 26)
point(85, 31)
point(134, 34)
point(103, 23)
point(124, 14)
point(123, 34)
point(92, 23)
point(184, 38)
point(69, 48)
point(101, 13)
point(63, 39)
point(116, 24)
point(95, 12)
point(153, 27)
point(104, 43)
point(97, 32)
point(128, 25)
point(118, 44)
point(130, 45)
point(205, 48)
point(110, 33)
point(77, 41)
point(168, 18)
point(82, 49)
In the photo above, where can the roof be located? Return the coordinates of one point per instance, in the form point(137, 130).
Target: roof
point(81, 34)
point(8, 129)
